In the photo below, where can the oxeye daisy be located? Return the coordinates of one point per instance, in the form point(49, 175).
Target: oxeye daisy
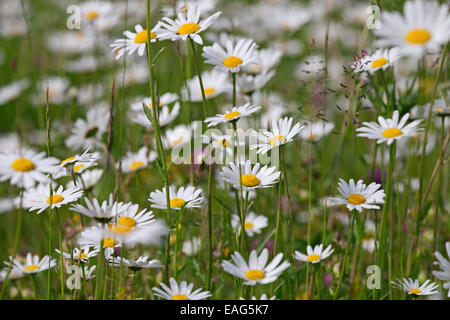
point(14, 274)
point(251, 178)
point(413, 286)
point(233, 57)
point(444, 264)
point(358, 196)
point(132, 218)
point(87, 179)
point(257, 270)
point(253, 223)
point(134, 41)
point(32, 264)
point(135, 265)
point(82, 254)
point(25, 167)
point(88, 273)
point(94, 12)
point(186, 25)
point(215, 82)
point(13, 90)
point(180, 292)
point(189, 196)
point(101, 213)
point(380, 60)
point(77, 163)
point(389, 130)
point(423, 28)
point(220, 147)
point(165, 116)
point(263, 297)
point(133, 162)
point(314, 255)
point(178, 136)
point(234, 114)
point(281, 133)
point(314, 131)
point(266, 59)
point(96, 235)
point(39, 198)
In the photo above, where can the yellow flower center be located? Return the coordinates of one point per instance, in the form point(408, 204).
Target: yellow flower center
point(248, 225)
point(78, 167)
point(313, 257)
point(22, 165)
point(119, 228)
point(232, 62)
point(92, 15)
point(418, 36)
point(177, 203)
point(313, 136)
point(255, 274)
point(175, 142)
point(109, 242)
point(136, 164)
point(141, 37)
point(179, 297)
point(392, 133)
point(415, 291)
point(67, 160)
point(56, 198)
point(439, 109)
point(223, 142)
point(209, 91)
point(188, 28)
point(249, 180)
point(232, 115)
point(274, 140)
point(379, 62)
point(31, 268)
point(127, 222)
point(356, 199)
point(81, 256)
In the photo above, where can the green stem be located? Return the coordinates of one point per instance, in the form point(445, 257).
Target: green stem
point(61, 260)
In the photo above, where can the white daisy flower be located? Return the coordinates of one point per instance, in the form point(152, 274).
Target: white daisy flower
point(444, 264)
point(413, 287)
point(281, 133)
point(314, 255)
point(135, 265)
point(32, 264)
point(82, 255)
point(192, 247)
point(253, 223)
point(368, 244)
point(389, 130)
point(88, 272)
point(314, 131)
point(25, 167)
point(130, 219)
point(233, 57)
point(94, 235)
point(77, 163)
point(149, 232)
point(263, 297)
point(204, 6)
point(181, 292)
point(14, 274)
point(165, 115)
point(215, 82)
point(359, 196)
point(380, 60)
point(257, 270)
point(190, 197)
point(134, 161)
point(39, 198)
point(266, 59)
point(423, 28)
point(101, 213)
point(186, 25)
point(87, 179)
point(13, 90)
point(177, 137)
point(232, 115)
point(133, 42)
point(57, 88)
point(88, 133)
point(97, 13)
point(251, 178)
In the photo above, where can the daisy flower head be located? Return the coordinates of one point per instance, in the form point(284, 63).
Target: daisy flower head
point(186, 25)
point(134, 41)
point(233, 57)
point(88, 272)
point(280, 134)
point(131, 218)
point(133, 162)
point(39, 198)
point(13, 90)
point(423, 28)
point(389, 130)
point(263, 297)
point(379, 60)
point(188, 197)
point(314, 131)
point(88, 178)
point(253, 223)
point(104, 212)
point(82, 254)
point(14, 274)
point(96, 235)
point(97, 13)
point(265, 60)
point(358, 196)
point(32, 264)
point(256, 270)
point(24, 167)
point(77, 163)
point(314, 255)
point(177, 137)
point(192, 247)
point(444, 264)
point(234, 114)
point(180, 292)
point(251, 177)
point(135, 265)
point(215, 82)
point(413, 286)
